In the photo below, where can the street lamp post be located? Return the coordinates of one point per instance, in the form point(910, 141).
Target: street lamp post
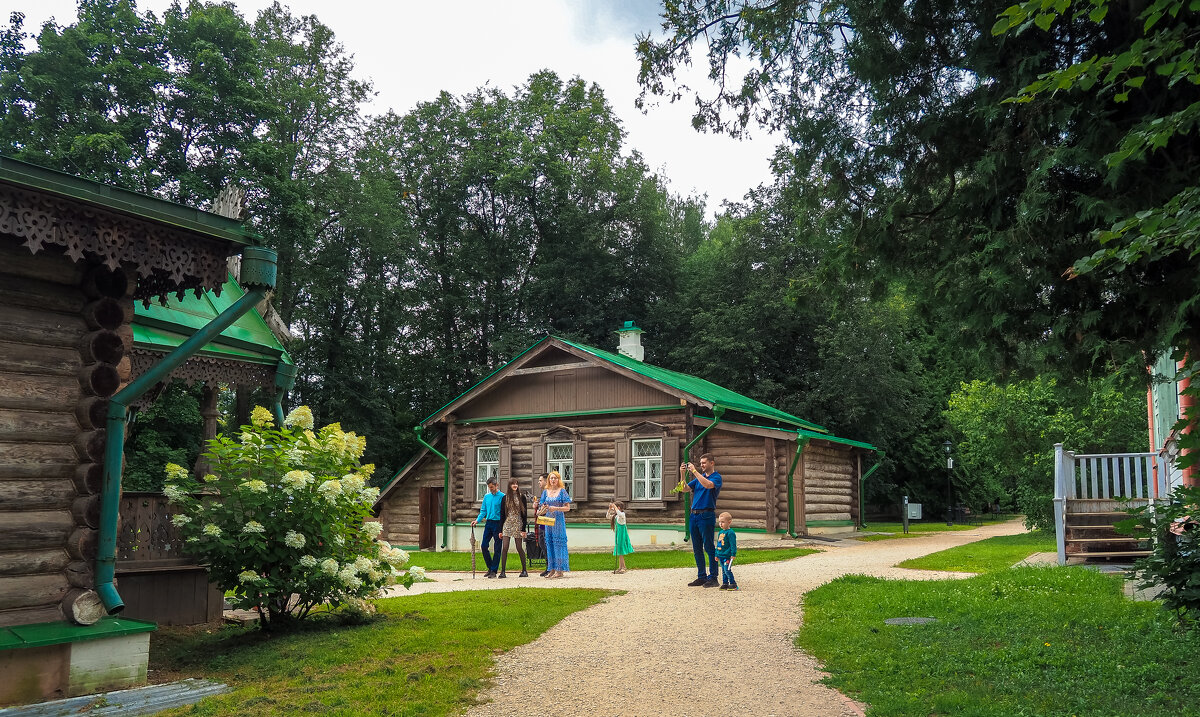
point(949, 486)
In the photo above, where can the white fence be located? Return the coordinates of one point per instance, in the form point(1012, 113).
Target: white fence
point(1104, 476)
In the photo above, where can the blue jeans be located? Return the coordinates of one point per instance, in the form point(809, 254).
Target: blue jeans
point(727, 573)
point(491, 533)
point(703, 527)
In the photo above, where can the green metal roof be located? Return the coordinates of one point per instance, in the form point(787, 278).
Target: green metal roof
point(162, 327)
point(143, 206)
point(698, 387)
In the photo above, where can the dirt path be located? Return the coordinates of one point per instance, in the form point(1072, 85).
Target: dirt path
point(659, 648)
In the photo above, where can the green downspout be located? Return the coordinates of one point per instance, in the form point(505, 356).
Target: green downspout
point(718, 411)
point(285, 379)
point(801, 442)
point(445, 487)
point(258, 276)
point(862, 484)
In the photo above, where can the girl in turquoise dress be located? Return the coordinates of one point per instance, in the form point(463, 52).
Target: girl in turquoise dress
point(555, 502)
point(622, 546)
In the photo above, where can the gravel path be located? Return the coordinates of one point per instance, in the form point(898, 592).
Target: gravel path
point(658, 648)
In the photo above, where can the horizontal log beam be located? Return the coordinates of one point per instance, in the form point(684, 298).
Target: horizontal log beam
point(35, 529)
point(42, 328)
point(38, 392)
point(37, 427)
point(31, 615)
point(33, 494)
point(32, 590)
point(30, 562)
point(22, 358)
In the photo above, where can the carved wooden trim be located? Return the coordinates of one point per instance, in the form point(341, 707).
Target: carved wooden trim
point(167, 261)
point(208, 370)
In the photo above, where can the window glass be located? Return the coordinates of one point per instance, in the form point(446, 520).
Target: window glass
point(487, 465)
point(647, 469)
point(561, 457)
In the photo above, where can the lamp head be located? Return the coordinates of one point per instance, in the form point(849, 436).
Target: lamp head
point(947, 445)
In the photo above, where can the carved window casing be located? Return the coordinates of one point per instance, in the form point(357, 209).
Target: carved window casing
point(647, 465)
point(562, 449)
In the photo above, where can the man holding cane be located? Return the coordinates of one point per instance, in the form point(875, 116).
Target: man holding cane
point(705, 486)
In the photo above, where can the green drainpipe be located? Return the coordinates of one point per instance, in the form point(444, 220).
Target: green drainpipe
point(801, 442)
point(862, 483)
point(258, 276)
point(445, 487)
point(285, 379)
point(718, 411)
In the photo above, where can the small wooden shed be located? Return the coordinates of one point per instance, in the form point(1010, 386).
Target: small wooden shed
point(617, 428)
point(74, 257)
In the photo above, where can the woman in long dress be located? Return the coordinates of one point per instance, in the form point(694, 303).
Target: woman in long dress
point(555, 502)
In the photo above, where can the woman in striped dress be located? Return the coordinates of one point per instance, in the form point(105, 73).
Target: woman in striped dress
point(555, 502)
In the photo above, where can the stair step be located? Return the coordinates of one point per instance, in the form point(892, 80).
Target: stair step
point(1121, 513)
point(1111, 554)
point(1119, 539)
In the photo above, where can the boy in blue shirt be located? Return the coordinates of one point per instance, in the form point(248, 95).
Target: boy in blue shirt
point(726, 551)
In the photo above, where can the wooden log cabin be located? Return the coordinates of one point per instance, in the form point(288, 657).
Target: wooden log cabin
point(617, 428)
point(74, 257)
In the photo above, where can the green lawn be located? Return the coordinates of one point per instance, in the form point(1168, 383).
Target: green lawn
point(896, 530)
point(423, 655)
point(988, 555)
point(604, 561)
point(1026, 641)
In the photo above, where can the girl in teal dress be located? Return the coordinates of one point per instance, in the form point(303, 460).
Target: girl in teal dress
point(622, 546)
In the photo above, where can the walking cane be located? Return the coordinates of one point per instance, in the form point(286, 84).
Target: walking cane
point(473, 542)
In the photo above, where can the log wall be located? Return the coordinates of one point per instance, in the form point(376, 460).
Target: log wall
point(64, 337)
point(829, 477)
point(741, 461)
point(399, 512)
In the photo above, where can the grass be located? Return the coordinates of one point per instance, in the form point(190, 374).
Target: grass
point(988, 555)
point(1026, 641)
point(895, 531)
point(603, 561)
point(422, 655)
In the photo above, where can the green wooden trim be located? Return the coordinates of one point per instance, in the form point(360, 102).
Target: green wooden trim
point(30, 176)
point(835, 439)
point(829, 523)
point(58, 633)
point(564, 414)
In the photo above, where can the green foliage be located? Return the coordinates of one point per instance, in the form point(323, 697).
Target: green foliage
point(986, 556)
point(1026, 641)
point(280, 521)
point(169, 430)
point(423, 655)
point(1007, 434)
point(1174, 560)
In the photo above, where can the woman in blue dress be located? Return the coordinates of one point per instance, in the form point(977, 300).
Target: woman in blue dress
point(555, 502)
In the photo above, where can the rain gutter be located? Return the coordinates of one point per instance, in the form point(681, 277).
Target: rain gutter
point(258, 276)
point(718, 411)
point(862, 484)
point(445, 485)
point(801, 442)
point(285, 379)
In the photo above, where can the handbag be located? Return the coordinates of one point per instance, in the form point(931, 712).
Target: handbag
point(545, 520)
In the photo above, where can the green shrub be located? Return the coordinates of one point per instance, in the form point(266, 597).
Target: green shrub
point(282, 520)
point(1174, 559)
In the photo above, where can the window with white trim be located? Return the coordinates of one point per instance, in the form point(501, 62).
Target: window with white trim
point(487, 465)
point(561, 457)
point(647, 469)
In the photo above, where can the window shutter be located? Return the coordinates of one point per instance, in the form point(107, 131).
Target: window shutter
point(469, 470)
point(670, 467)
point(505, 465)
point(539, 460)
point(623, 487)
point(581, 473)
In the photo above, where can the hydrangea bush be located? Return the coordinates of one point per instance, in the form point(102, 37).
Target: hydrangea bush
point(282, 520)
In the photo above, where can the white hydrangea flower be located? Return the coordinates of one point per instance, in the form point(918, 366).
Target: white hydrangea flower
point(369, 494)
point(247, 576)
point(293, 539)
point(329, 566)
point(176, 472)
point(308, 561)
point(349, 577)
point(362, 564)
point(352, 483)
point(374, 575)
point(373, 528)
point(300, 417)
point(417, 572)
point(297, 479)
point(295, 455)
point(330, 489)
point(255, 486)
point(174, 493)
point(180, 520)
point(253, 526)
point(211, 529)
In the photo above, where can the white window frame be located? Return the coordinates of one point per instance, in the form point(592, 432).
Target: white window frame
point(565, 467)
point(646, 462)
point(481, 470)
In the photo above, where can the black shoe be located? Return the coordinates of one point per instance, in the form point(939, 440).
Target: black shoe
point(734, 587)
point(697, 582)
point(523, 574)
point(711, 583)
point(724, 586)
point(490, 574)
point(544, 573)
point(502, 575)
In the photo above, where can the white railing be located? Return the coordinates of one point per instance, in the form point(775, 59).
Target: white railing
point(1103, 476)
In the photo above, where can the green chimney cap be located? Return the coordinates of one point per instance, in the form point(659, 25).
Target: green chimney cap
point(628, 326)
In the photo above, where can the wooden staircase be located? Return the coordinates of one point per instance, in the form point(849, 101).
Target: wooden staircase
point(1090, 533)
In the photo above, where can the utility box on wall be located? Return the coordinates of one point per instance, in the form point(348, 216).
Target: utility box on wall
point(914, 511)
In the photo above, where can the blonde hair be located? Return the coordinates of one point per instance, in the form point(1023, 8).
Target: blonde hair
point(612, 523)
point(552, 475)
point(725, 515)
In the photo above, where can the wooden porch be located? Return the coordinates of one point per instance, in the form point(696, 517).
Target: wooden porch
point(1093, 491)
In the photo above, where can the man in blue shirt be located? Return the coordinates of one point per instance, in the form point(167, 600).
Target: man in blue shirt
point(704, 486)
point(489, 511)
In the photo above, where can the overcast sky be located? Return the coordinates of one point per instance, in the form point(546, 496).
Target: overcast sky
point(411, 51)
